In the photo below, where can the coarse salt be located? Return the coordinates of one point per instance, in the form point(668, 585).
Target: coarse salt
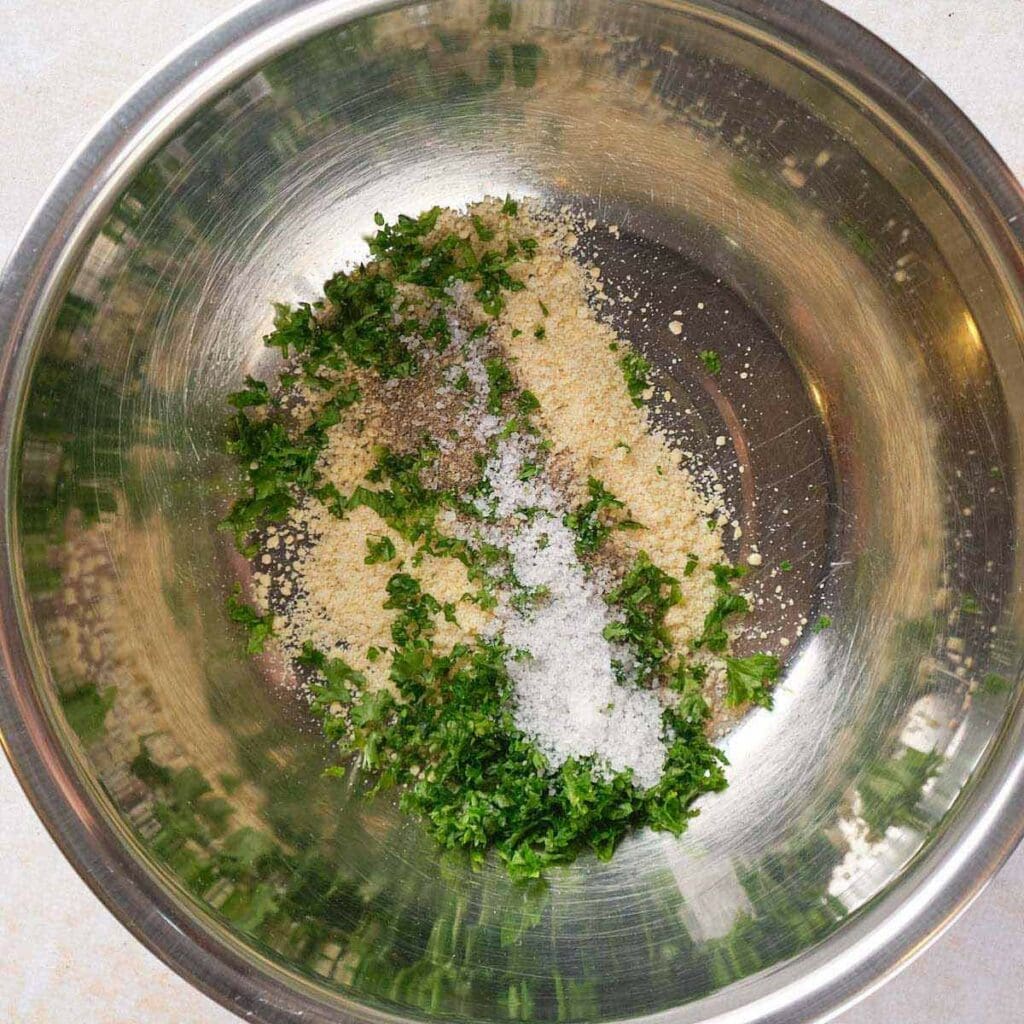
point(568, 700)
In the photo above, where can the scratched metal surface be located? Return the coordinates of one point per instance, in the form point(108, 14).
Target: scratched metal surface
point(866, 305)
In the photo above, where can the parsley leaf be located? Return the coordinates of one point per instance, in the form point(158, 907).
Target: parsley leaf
point(254, 393)
point(483, 232)
point(749, 679)
point(380, 549)
point(590, 521)
point(645, 595)
point(712, 360)
point(714, 636)
point(276, 464)
point(636, 370)
point(500, 383)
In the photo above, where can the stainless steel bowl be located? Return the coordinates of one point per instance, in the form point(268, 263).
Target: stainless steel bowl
point(771, 160)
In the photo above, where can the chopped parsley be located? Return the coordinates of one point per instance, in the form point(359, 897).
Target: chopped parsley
point(484, 233)
point(530, 597)
point(406, 504)
point(636, 371)
point(749, 679)
point(276, 465)
point(725, 574)
point(591, 521)
point(823, 623)
point(337, 682)
point(499, 383)
point(254, 393)
point(445, 733)
point(467, 771)
point(379, 549)
point(644, 597)
point(714, 637)
point(712, 360)
point(529, 247)
point(527, 403)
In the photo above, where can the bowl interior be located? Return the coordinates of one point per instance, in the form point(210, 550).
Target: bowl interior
point(870, 347)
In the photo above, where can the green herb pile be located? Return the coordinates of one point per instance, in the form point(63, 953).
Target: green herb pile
point(446, 738)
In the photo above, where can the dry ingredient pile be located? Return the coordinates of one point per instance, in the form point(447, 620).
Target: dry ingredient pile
point(499, 583)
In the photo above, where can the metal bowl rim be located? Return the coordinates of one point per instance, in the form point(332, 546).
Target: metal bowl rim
point(988, 821)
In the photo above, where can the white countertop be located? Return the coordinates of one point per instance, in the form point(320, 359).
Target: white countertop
point(65, 958)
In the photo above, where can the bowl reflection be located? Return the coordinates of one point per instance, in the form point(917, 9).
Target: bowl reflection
point(857, 274)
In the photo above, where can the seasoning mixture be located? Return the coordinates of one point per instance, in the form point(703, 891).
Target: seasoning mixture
point(501, 585)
